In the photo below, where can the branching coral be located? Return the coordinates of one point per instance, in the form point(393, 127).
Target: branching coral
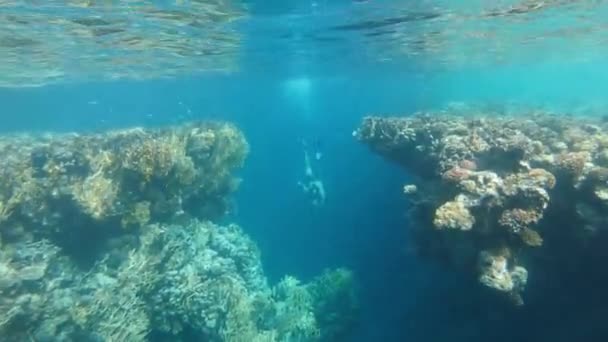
point(5, 211)
point(96, 195)
point(151, 155)
point(199, 278)
point(24, 269)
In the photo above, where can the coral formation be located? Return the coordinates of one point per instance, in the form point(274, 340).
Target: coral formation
point(454, 215)
point(129, 176)
point(501, 195)
point(496, 273)
point(195, 279)
point(108, 237)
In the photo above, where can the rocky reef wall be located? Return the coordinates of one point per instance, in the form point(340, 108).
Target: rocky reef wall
point(504, 198)
point(110, 237)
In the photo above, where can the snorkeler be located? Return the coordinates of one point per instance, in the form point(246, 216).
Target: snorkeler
point(311, 185)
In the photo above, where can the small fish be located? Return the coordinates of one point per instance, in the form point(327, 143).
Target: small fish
point(93, 102)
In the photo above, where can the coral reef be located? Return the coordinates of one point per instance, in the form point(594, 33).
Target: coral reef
point(130, 176)
point(335, 303)
point(196, 279)
point(108, 237)
point(499, 196)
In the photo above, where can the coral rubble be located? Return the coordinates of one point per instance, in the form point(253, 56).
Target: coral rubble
point(108, 237)
point(501, 197)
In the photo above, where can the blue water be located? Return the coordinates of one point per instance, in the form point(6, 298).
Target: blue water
point(290, 87)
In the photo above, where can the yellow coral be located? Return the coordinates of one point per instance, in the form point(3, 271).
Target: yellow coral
point(102, 161)
point(96, 195)
point(7, 208)
point(154, 156)
point(453, 215)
